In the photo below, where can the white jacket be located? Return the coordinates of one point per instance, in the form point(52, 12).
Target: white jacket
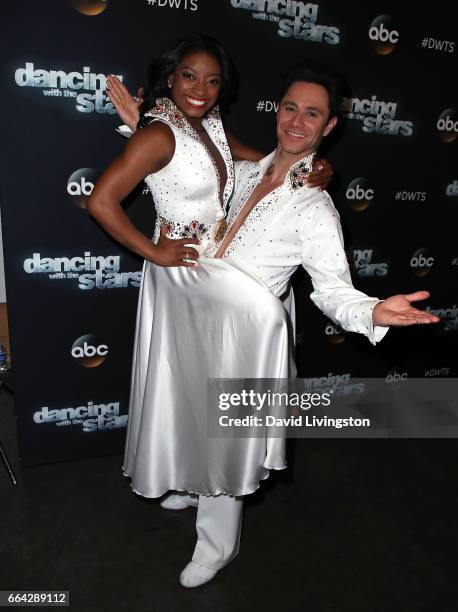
point(297, 225)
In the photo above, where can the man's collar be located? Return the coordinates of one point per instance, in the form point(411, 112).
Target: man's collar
point(266, 162)
point(295, 175)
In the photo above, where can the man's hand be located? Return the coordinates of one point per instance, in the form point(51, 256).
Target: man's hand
point(398, 311)
point(321, 174)
point(126, 105)
point(171, 252)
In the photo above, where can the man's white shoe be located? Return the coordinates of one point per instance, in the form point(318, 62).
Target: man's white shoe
point(179, 501)
point(194, 575)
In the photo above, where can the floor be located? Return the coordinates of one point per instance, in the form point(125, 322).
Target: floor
point(352, 525)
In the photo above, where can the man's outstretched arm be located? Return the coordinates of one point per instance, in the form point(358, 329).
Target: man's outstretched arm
point(324, 258)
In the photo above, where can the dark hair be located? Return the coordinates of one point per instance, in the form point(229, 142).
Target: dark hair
point(172, 55)
point(312, 71)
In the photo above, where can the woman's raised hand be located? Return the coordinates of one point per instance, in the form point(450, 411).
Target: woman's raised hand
point(126, 105)
point(321, 174)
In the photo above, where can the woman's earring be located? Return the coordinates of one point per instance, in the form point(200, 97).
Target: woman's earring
point(169, 84)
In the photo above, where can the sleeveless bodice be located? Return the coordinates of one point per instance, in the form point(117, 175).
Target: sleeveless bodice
point(186, 191)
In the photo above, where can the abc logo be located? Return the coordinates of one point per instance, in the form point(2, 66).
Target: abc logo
point(447, 124)
point(89, 7)
point(359, 193)
point(80, 185)
point(421, 263)
point(334, 334)
point(382, 36)
point(88, 351)
point(393, 376)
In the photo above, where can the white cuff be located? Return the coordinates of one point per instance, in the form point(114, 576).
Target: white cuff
point(376, 332)
point(124, 130)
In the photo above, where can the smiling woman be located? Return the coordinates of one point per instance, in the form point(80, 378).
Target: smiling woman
point(195, 85)
point(163, 70)
point(182, 153)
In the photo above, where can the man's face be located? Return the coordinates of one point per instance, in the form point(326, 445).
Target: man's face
point(303, 118)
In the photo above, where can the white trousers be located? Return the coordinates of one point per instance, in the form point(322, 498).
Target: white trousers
point(218, 525)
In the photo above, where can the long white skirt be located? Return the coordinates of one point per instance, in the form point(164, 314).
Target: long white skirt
point(216, 321)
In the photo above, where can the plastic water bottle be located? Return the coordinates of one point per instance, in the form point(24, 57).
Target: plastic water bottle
point(3, 364)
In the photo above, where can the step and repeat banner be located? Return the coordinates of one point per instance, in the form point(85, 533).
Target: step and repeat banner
point(72, 291)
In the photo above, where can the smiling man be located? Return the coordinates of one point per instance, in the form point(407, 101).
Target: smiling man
point(275, 224)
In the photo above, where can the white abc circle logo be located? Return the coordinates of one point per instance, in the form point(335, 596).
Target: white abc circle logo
point(382, 36)
point(421, 263)
point(89, 351)
point(447, 124)
point(80, 185)
point(359, 193)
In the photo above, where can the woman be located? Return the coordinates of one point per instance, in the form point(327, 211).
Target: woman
point(183, 154)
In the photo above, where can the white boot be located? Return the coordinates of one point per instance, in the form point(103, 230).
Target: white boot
point(179, 501)
point(194, 575)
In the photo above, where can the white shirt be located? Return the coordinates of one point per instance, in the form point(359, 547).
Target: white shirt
point(297, 225)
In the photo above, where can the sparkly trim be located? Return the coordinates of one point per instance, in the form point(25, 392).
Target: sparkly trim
point(218, 177)
point(193, 229)
point(299, 170)
point(234, 211)
point(221, 230)
point(216, 130)
point(166, 109)
point(253, 220)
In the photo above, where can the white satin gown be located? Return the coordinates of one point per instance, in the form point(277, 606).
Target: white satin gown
point(218, 320)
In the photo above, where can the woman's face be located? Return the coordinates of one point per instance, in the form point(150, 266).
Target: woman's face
point(196, 83)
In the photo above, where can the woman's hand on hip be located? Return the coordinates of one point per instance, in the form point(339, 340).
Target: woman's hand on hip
point(175, 252)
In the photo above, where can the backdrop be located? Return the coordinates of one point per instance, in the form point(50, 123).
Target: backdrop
point(72, 290)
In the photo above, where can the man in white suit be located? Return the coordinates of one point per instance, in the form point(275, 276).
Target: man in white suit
point(275, 224)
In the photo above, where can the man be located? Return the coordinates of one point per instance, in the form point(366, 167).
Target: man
point(275, 224)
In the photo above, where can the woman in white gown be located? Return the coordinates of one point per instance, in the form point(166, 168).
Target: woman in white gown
point(238, 328)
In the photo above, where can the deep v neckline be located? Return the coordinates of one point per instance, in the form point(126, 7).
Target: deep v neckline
point(221, 181)
point(271, 195)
